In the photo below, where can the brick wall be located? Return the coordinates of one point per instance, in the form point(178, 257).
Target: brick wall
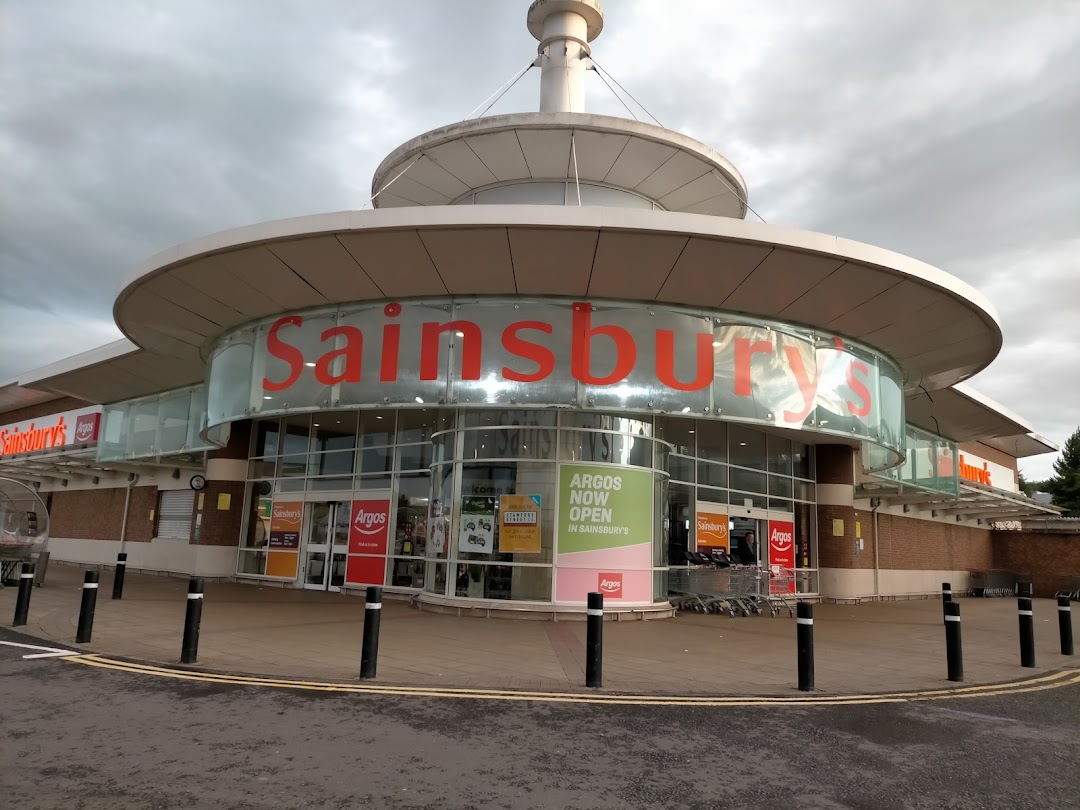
point(43, 409)
point(1052, 560)
point(239, 442)
point(98, 514)
point(220, 527)
point(905, 544)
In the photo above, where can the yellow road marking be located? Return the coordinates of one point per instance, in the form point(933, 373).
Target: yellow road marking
point(1051, 681)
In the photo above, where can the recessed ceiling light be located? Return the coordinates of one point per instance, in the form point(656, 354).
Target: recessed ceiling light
point(310, 365)
point(686, 409)
point(421, 401)
point(378, 417)
point(267, 397)
point(716, 344)
point(742, 444)
point(691, 431)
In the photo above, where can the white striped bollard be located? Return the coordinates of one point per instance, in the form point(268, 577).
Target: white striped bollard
point(86, 609)
point(954, 650)
point(594, 640)
point(1027, 632)
point(946, 597)
point(26, 587)
point(1065, 625)
point(369, 654)
point(804, 630)
point(189, 650)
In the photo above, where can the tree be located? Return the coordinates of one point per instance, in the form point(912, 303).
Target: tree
point(1065, 485)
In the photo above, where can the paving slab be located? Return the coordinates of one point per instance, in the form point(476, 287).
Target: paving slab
point(871, 647)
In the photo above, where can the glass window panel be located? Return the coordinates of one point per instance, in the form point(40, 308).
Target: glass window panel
point(262, 469)
point(257, 530)
point(251, 563)
point(747, 447)
point(780, 486)
point(368, 482)
point(333, 431)
point(415, 457)
point(610, 197)
point(804, 491)
point(323, 484)
point(509, 417)
point(531, 193)
point(174, 411)
point(603, 421)
point(712, 439)
point(514, 582)
point(142, 428)
point(267, 434)
point(405, 573)
point(514, 442)
point(748, 481)
point(340, 463)
point(439, 516)
point(413, 499)
point(679, 433)
point(613, 448)
point(435, 578)
point(481, 486)
point(376, 459)
point(779, 455)
point(681, 521)
point(417, 425)
point(681, 468)
point(293, 466)
point(715, 475)
point(289, 484)
point(297, 430)
point(800, 460)
point(747, 499)
point(712, 495)
point(780, 505)
point(377, 427)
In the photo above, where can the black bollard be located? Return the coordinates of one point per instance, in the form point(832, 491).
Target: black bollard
point(1064, 624)
point(954, 650)
point(946, 597)
point(1025, 589)
point(1027, 632)
point(369, 655)
point(26, 587)
point(189, 651)
point(86, 609)
point(805, 643)
point(594, 640)
point(118, 576)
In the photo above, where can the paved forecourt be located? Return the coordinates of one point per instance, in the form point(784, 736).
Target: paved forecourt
point(878, 647)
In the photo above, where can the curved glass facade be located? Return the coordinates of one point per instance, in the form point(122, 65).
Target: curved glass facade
point(559, 353)
point(518, 505)
point(560, 192)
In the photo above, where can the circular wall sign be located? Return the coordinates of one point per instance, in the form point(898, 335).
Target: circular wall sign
point(197, 482)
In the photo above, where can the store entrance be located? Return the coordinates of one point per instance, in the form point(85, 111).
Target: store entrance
point(326, 545)
point(746, 534)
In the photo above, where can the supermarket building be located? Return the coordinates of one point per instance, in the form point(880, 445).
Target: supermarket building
point(553, 358)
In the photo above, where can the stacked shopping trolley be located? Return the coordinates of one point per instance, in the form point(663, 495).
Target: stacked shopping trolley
point(714, 583)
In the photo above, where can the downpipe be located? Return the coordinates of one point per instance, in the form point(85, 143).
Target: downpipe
point(875, 504)
point(132, 479)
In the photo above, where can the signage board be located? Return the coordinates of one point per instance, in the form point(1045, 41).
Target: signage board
point(519, 524)
point(584, 354)
point(782, 553)
point(711, 527)
point(978, 470)
point(369, 526)
point(286, 518)
point(604, 532)
point(75, 428)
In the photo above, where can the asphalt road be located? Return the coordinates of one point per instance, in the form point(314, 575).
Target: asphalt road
point(77, 737)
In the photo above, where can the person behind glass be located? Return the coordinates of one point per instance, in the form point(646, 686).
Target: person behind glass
point(748, 548)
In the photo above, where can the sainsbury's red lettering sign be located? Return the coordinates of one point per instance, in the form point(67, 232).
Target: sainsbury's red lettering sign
point(574, 354)
point(52, 432)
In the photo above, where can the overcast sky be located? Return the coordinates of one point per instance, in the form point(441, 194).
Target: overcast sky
point(948, 131)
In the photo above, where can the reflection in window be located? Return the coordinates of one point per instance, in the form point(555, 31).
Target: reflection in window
point(747, 447)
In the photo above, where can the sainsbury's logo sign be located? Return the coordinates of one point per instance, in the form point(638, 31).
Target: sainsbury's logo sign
point(517, 345)
point(51, 432)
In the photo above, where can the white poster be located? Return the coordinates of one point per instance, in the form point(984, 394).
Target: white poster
point(477, 535)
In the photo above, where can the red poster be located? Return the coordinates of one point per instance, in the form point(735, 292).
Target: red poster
point(366, 571)
point(370, 527)
point(782, 552)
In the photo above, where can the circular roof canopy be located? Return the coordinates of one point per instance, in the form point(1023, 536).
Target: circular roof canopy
point(938, 328)
point(449, 163)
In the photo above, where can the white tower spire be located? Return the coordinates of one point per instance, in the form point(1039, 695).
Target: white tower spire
point(564, 28)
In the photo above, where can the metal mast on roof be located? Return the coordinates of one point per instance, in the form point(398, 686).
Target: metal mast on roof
point(564, 28)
